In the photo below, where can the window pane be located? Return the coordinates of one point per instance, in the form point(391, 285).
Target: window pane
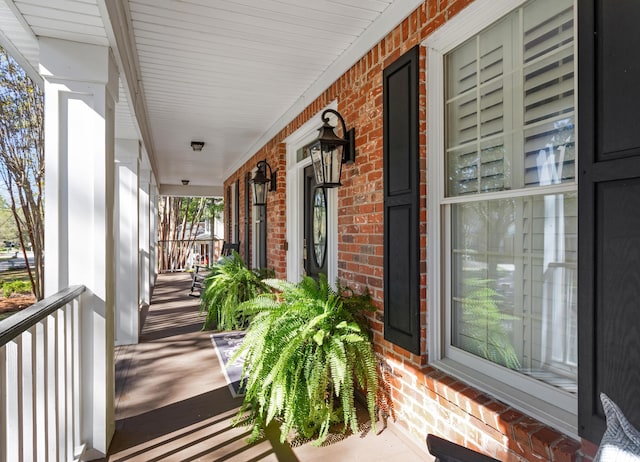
point(492, 110)
point(494, 45)
point(550, 153)
point(514, 284)
point(462, 120)
point(474, 169)
point(513, 85)
point(548, 25)
point(548, 87)
point(461, 69)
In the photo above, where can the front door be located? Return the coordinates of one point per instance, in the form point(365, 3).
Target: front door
point(315, 226)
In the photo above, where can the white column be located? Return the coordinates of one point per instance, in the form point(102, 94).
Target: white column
point(127, 155)
point(81, 88)
point(145, 229)
point(154, 196)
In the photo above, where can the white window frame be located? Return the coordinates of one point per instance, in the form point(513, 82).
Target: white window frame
point(295, 197)
point(549, 405)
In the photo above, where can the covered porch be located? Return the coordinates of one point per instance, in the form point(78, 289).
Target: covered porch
point(173, 402)
point(151, 98)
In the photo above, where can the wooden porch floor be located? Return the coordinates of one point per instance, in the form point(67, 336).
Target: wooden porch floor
point(173, 404)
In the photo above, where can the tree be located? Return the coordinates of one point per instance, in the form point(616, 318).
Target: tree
point(8, 226)
point(22, 161)
point(179, 224)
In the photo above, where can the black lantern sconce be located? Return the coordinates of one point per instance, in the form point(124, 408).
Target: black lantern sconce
point(262, 184)
point(329, 151)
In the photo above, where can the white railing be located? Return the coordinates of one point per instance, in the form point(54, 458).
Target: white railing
point(40, 380)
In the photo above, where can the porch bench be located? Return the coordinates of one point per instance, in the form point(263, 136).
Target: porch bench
point(447, 451)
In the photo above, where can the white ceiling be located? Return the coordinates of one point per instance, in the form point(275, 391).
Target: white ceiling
point(228, 72)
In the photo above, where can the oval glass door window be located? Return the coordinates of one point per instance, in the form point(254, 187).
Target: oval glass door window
point(319, 226)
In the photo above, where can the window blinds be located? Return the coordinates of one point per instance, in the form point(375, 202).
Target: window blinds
point(510, 103)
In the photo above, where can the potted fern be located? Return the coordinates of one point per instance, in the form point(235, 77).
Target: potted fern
point(307, 351)
point(229, 284)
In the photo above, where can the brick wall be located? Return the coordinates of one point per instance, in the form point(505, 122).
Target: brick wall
point(425, 400)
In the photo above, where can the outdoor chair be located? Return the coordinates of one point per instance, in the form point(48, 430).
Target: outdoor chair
point(198, 277)
point(200, 273)
point(446, 451)
point(228, 248)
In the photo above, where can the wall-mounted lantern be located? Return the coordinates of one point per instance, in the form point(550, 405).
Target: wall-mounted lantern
point(329, 151)
point(263, 183)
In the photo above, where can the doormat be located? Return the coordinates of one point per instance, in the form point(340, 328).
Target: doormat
point(226, 344)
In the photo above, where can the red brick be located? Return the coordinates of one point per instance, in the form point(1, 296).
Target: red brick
point(544, 439)
point(565, 450)
point(523, 428)
point(588, 450)
point(507, 419)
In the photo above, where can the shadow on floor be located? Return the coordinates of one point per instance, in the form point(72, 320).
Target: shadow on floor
point(173, 403)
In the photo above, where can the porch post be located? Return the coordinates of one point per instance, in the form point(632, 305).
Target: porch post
point(127, 155)
point(81, 88)
point(153, 234)
point(145, 229)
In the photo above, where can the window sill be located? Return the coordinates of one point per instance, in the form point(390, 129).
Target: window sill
point(519, 400)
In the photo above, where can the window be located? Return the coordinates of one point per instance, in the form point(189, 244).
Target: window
point(507, 228)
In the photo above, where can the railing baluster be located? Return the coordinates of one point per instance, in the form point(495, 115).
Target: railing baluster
point(3, 403)
point(68, 369)
point(14, 420)
point(19, 394)
point(29, 406)
point(40, 381)
point(61, 376)
point(33, 338)
point(50, 388)
point(77, 322)
point(40, 373)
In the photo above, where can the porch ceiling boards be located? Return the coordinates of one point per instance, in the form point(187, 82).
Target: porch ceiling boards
point(231, 73)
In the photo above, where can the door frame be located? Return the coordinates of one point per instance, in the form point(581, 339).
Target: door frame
point(295, 203)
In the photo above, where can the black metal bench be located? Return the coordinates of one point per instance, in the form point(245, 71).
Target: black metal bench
point(446, 451)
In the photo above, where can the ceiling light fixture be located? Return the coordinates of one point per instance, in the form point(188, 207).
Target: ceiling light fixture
point(197, 145)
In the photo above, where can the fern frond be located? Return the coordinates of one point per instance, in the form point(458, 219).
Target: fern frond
point(306, 349)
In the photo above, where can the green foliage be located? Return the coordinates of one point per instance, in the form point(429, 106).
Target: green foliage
point(22, 162)
point(8, 226)
point(483, 332)
point(306, 351)
point(229, 284)
point(16, 287)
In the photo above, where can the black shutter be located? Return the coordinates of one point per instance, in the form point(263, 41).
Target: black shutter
point(236, 226)
point(228, 207)
point(247, 215)
point(401, 203)
point(608, 210)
